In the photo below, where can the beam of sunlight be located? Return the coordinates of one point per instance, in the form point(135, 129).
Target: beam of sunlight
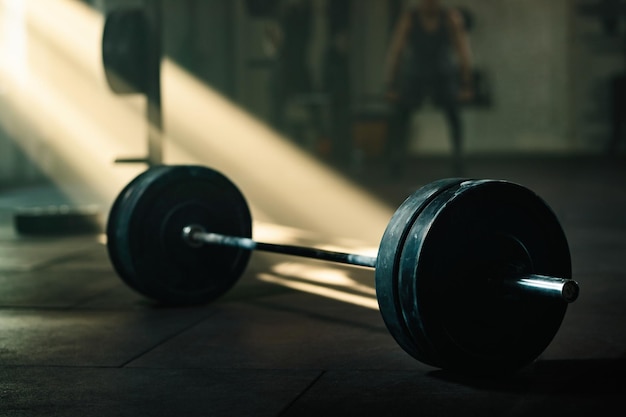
point(71, 27)
point(324, 275)
point(13, 40)
point(273, 233)
point(58, 107)
point(285, 183)
point(73, 127)
point(358, 300)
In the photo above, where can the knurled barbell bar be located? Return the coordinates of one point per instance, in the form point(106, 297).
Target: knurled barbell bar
point(471, 275)
point(196, 236)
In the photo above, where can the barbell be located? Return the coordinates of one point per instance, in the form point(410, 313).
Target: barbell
point(472, 276)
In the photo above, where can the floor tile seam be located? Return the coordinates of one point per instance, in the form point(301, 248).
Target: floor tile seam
point(301, 394)
point(52, 366)
point(33, 308)
point(319, 372)
point(166, 339)
point(83, 303)
point(224, 368)
point(62, 258)
point(279, 369)
point(71, 308)
point(39, 266)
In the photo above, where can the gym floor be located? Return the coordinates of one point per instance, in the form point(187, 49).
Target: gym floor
point(76, 341)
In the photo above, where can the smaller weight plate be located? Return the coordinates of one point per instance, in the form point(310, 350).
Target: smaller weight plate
point(144, 234)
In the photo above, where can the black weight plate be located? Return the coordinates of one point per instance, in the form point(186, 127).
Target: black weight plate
point(145, 227)
point(117, 214)
point(125, 41)
point(388, 260)
point(462, 244)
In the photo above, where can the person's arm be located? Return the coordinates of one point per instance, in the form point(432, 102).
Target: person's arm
point(398, 41)
point(460, 40)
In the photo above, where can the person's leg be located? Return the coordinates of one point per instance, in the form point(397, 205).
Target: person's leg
point(445, 96)
point(455, 128)
point(340, 130)
point(398, 138)
point(278, 98)
point(411, 96)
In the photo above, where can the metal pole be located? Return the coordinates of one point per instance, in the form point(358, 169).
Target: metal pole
point(153, 89)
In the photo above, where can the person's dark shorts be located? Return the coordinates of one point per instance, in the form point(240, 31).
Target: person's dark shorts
point(443, 91)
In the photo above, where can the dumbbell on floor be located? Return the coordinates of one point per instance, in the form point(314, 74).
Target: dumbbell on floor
point(471, 275)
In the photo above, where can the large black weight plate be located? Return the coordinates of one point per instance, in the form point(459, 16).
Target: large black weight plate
point(125, 50)
point(388, 261)
point(144, 234)
point(461, 246)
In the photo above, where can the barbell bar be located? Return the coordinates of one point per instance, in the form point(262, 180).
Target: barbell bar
point(472, 276)
point(195, 236)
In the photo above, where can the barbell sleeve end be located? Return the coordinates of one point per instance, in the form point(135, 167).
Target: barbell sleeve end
point(563, 288)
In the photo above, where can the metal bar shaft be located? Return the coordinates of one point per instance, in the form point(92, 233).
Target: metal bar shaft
point(194, 234)
point(565, 289)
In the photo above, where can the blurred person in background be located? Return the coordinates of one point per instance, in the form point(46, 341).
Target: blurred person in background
point(290, 38)
point(337, 83)
point(429, 57)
